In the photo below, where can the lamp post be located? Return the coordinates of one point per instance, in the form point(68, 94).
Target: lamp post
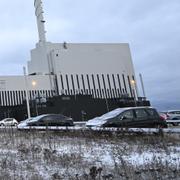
point(26, 92)
point(34, 83)
point(142, 85)
point(133, 86)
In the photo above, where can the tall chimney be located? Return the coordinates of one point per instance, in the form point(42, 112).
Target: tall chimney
point(40, 20)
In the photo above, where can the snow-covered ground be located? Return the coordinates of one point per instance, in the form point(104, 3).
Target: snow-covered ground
point(111, 129)
point(87, 155)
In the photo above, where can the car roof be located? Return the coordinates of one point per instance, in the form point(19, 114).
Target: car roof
point(43, 115)
point(32, 119)
point(173, 110)
point(7, 118)
point(139, 107)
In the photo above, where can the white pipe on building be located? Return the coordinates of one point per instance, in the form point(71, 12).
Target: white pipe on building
point(142, 85)
point(27, 93)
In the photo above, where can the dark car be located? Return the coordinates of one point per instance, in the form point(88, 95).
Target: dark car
point(51, 120)
point(141, 117)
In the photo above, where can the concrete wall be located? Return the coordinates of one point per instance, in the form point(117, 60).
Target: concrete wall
point(108, 66)
point(12, 89)
point(17, 83)
point(89, 58)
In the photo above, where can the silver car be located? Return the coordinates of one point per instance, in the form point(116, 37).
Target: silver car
point(8, 122)
point(173, 115)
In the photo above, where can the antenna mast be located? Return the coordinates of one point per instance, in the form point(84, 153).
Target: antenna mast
point(40, 20)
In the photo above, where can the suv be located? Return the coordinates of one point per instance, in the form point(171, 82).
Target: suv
point(141, 117)
point(8, 122)
point(173, 115)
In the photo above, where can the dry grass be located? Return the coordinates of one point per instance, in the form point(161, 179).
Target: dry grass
point(79, 155)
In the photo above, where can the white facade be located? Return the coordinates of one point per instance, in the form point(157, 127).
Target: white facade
point(17, 83)
point(12, 89)
point(94, 58)
point(74, 61)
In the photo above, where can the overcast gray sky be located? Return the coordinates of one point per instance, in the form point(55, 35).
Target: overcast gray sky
point(151, 27)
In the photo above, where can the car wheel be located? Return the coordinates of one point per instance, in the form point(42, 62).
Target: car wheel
point(175, 123)
point(15, 124)
point(2, 125)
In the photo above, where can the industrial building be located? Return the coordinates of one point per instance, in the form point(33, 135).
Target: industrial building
point(97, 72)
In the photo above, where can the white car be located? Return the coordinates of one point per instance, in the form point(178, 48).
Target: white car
point(8, 122)
point(173, 115)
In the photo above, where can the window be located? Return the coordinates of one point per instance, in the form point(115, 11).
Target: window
point(141, 113)
point(177, 112)
point(171, 112)
point(151, 112)
point(9, 119)
point(54, 117)
point(127, 114)
point(46, 118)
point(60, 116)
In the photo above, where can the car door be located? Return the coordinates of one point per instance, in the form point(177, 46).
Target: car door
point(52, 120)
point(43, 121)
point(177, 115)
point(55, 120)
point(8, 122)
point(153, 117)
point(47, 120)
point(126, 119)
point(141, 118)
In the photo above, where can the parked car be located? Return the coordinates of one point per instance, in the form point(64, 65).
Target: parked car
point(173, 115)
point(8, 122)
point(142, 117)
point(50, 120)
point(163, 115)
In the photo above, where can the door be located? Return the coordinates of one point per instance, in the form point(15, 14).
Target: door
point(142, 118)
point(177, 114)
point(126, 119)
point(8, 122)
point(46, 121)
point(153, 118)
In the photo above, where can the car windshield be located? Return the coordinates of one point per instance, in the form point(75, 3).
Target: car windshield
point(26, 120)
point(37, 118)
point(110, 114)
